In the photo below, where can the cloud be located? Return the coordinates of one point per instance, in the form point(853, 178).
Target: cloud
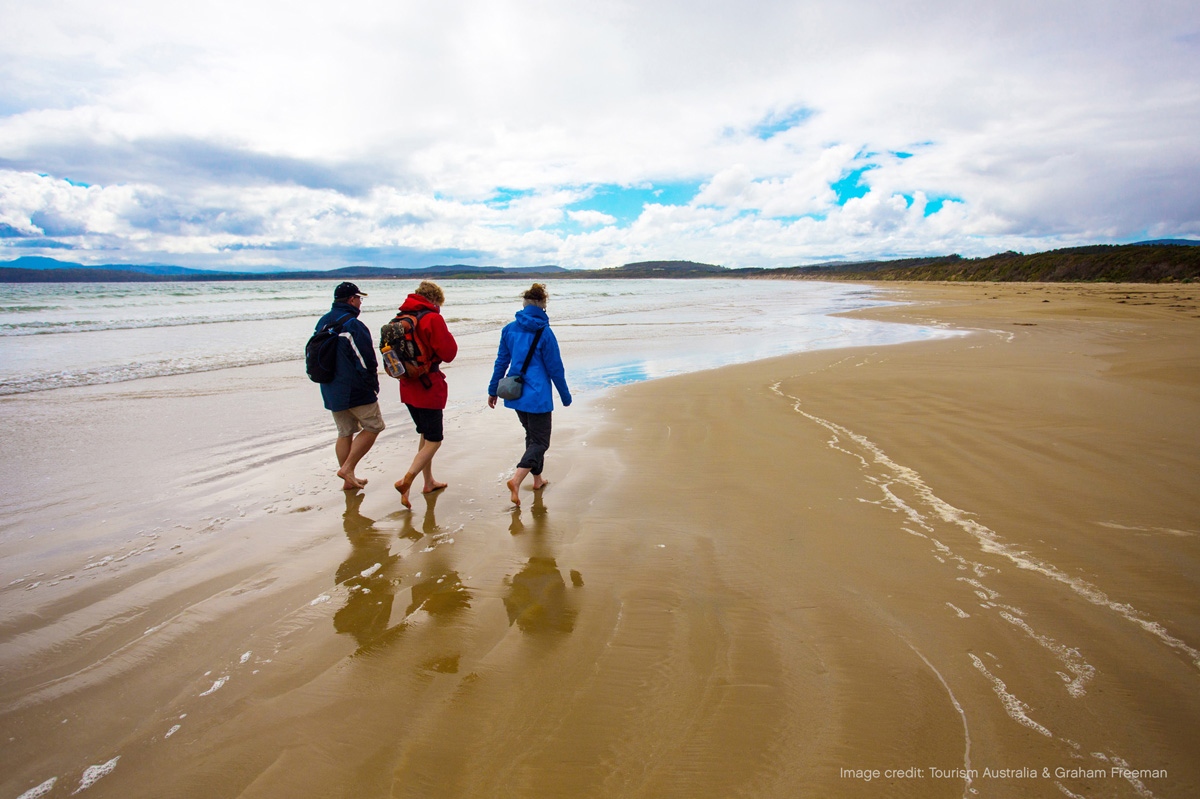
point(759, 133)
point(591, 218)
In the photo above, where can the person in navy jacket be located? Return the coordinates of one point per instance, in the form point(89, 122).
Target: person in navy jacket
point(353, 394)
point(536, 403)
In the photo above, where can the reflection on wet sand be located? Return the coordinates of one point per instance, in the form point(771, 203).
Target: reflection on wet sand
point(372, 574)
point(537, 599)
point(439, 590)
point(369, 574)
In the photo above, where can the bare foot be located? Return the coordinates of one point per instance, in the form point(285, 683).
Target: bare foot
point(512, 487)
point(539, 483)
point(431, 486)
point(350, 482)
point(404, 486)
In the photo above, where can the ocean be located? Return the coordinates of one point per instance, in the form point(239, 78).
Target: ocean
point(63, 335)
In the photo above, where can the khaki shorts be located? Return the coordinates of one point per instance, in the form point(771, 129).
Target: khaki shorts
point(361, 417)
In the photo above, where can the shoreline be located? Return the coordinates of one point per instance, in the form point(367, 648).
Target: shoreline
point(982, 549)
point(741, 581)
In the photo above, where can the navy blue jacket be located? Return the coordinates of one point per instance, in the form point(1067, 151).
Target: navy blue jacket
point(356, 380)
point(545, 367)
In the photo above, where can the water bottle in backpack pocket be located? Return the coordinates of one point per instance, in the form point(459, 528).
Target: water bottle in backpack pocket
point(391, 362)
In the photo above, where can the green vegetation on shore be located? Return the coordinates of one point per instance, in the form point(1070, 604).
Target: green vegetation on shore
point(1151, 262)
point(1129, 263)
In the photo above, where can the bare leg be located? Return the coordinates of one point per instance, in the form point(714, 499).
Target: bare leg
point(431, 485)
point(354, 450)
point(539, 482)
point(422, 464)
point(514, 484)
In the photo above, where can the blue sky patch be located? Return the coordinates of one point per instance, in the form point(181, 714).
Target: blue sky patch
point(502, 196)
point(792, 219)
point(40, 244)
point(850, 185)
point(778, 122)
point(934, 204)
point(625, 203)
point(68, 181)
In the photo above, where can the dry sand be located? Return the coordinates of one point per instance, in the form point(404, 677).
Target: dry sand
point(959, 568)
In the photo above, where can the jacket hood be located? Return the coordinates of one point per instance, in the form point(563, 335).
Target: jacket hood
point(415, 302)
point(532, 318)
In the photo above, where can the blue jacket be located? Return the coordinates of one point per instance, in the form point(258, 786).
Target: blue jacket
point(356, 380)
point(545, 367)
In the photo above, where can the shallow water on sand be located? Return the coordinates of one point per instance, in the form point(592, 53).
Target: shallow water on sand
point(62, 335)
point(191, 607)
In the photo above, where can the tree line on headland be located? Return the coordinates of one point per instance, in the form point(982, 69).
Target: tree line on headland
point(1149, 262)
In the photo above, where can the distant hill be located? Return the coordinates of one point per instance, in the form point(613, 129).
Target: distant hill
point(35, 269)
point(84, 275)
point(39, 263)
point(1162, 261)
point(849, 269)
point(644, 269)
point(1174, 242)
point(1127, 263)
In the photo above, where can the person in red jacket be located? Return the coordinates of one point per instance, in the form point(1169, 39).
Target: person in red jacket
point(426, 397)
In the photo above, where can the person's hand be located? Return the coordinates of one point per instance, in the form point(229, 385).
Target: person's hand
point(567, 402)
point(491, 402)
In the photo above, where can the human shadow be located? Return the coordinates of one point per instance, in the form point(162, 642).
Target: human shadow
point(536, 597)
point(438, 589)
point(369, 574)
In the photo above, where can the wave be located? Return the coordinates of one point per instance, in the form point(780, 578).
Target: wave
point(45, 327)
point(124, 372)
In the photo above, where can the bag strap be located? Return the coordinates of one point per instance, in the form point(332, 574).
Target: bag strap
point(417, 316)
point(532, 347)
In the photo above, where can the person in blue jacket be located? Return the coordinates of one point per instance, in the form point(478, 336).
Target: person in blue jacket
point(536, 402)
point(353, 394)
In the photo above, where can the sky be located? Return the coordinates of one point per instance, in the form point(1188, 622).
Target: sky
point(255, 134)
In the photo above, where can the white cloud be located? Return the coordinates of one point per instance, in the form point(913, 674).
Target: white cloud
point(250, 131)
point(591, 218)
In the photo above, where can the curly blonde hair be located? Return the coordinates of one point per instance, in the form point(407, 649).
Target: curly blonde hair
point(431, 291)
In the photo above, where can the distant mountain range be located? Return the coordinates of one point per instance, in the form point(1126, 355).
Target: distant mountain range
point(1174, 242)
point(36, 269)
point(1151, 262)
point(1162, 260)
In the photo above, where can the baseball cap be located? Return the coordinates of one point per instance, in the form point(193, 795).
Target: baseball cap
point(345, 291)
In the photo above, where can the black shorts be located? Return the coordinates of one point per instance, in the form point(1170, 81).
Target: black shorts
point(428, 421)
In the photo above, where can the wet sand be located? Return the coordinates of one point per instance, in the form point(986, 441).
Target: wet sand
point(957, 568)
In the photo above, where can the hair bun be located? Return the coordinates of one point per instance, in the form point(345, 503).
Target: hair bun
point(537, 292)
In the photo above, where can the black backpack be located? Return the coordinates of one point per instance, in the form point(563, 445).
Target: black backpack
point(320, 353)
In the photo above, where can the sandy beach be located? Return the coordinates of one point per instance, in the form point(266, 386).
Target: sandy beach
point(964, 567)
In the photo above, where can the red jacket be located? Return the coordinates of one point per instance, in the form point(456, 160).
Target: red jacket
point(433, 335)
